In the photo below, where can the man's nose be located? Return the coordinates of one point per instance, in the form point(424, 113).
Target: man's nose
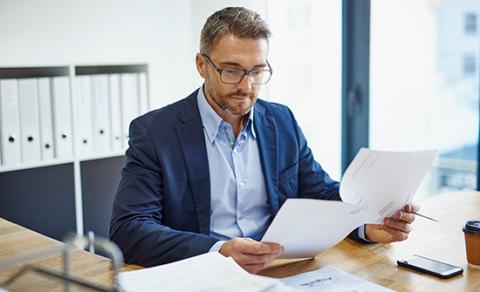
point(245, 84)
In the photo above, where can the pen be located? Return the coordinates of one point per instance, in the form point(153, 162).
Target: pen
point(429, 218)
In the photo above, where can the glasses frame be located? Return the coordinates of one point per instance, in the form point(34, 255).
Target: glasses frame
point(245, 72)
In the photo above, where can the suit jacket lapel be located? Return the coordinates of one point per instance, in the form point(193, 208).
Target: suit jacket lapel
point(192, 141)
point(267, 136)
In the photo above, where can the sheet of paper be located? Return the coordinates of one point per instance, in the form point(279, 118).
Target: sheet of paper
point(206, 272)
point(330, 278)
point(384, 182)
point(375, 185)
point(306, 227)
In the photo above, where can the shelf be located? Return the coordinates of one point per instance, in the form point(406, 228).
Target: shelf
point(73, 104)
point(38, 164)
point(35, 164)
point(102, 156)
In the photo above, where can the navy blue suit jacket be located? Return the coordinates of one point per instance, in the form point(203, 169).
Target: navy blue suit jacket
point(161, 212)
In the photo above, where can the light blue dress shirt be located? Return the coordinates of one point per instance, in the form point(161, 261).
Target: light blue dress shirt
point(239, 206)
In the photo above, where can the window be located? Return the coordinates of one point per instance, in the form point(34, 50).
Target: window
point(305, 54)
point(469, 66)
point(420, 97)
point(470, 23)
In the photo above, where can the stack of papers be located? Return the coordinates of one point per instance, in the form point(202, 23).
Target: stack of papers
point(213, 272)
point(375, 186)
point(207, 272)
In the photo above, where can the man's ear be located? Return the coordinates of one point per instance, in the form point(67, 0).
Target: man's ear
point(201, 65)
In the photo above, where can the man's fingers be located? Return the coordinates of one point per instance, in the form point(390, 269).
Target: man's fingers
point(255, 247)
point(254, 268)
point(412, 207)
point(404, 216)
point(249, 259)
point(396, 234)
point(253, 263)
point(399, 225)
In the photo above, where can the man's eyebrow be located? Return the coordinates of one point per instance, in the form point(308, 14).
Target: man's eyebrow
point(240, 66)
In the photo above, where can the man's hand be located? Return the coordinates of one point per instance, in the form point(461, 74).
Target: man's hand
point(395, 228)
point(251, 255)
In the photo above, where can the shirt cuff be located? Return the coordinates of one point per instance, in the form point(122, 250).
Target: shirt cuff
point(361, 233)
point(217, 246)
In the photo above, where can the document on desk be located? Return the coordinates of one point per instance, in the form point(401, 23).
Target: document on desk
point(375, 185)
point(330, 278)
point(207, 272)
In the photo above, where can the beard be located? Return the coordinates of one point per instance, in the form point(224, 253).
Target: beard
point(238, 103)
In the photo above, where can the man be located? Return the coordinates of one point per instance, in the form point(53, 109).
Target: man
point(209, 172)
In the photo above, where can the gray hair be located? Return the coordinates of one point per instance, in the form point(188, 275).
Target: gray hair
point(239, 21)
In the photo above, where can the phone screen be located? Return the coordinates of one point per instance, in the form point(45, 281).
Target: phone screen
point(430, 265)
point(433, 267)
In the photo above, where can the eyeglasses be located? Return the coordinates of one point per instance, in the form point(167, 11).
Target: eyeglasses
point(232, 75)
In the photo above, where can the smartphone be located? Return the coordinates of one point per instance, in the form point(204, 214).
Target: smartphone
point(429, 266)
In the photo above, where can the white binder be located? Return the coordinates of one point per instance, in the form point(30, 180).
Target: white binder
point(101, 114)
point(142, 81)
point(62, 117)
point(10, 122)
point(130, 101)
point(115, 112)
point(46, 124)
point(29, 120)
point(83, 98)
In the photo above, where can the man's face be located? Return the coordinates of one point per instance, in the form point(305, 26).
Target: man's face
point(238, 53)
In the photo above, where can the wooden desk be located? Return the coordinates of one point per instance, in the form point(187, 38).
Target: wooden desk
point(16, 240)
point(377, 263)
point(443, 241)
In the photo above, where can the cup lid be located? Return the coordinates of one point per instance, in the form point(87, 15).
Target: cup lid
point(472, 226)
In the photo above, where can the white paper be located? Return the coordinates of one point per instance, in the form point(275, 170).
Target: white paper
point(306, 227)
point(206, 272)
point(384, 182)
point(330, 278)
point(375, 185)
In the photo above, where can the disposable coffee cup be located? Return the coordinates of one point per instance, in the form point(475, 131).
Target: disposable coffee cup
point(472, 242)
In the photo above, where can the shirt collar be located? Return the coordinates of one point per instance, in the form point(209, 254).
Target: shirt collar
point(212, 121)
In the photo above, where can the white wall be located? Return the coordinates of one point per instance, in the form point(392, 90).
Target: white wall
point(56, 32)
point(165, 34)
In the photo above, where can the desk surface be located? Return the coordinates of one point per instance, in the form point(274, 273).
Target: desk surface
point(443, 241)
point(17, 240)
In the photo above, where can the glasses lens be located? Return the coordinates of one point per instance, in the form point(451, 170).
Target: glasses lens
point(233, 76)
point(260, 76)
